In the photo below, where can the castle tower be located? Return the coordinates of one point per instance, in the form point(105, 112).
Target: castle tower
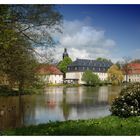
point(65, 54)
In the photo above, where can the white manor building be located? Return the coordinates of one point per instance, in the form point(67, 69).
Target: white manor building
point(79, 66)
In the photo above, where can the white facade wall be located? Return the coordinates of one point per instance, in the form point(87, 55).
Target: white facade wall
point(102, 76)
point(132, 78)
point(78, 75)
point(52, 79)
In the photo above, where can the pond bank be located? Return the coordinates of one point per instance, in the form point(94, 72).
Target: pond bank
point(5, 91)
point(110, 125)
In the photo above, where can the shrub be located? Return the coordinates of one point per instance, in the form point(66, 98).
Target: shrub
point(128, 102)
point(90, 78)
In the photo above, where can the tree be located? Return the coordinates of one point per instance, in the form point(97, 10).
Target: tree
point(64, 63)
point(19, 64)
point(119, 64)
point(115, 75)
point(21, 27)
point(34, 22)
point(126, 67)
point(136, 61)
point(90, 78)
point(103, 59)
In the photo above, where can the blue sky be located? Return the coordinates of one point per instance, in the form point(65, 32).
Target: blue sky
point(91, 31)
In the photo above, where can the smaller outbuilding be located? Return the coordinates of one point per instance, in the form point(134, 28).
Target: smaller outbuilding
point(133, 74)
point(50, 74)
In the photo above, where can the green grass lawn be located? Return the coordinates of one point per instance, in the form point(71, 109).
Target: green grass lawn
point(110, 125)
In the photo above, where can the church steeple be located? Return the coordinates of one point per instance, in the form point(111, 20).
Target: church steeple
point(65, 54)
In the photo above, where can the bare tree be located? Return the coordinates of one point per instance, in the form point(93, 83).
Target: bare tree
point(126, 67)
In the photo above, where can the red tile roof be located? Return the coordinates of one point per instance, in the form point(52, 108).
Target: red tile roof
point(134, 68)
point(48, 69)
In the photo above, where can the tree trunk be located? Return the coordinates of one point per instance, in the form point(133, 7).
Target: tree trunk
point(126, 78)
point(21, 83)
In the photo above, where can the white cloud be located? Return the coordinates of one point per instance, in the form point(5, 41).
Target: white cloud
point(83, 41)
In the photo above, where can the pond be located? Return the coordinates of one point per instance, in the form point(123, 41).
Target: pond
point(57, 104)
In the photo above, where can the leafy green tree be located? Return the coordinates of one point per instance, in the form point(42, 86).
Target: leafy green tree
point(103, 59)
point(34, 22)
point(119, 64)
point(21, 27)
point(90, 78)
point(64, 63)
point(115, 75)
point(20, 63)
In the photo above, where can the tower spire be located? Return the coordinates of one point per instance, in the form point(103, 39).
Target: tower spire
point(65, 54)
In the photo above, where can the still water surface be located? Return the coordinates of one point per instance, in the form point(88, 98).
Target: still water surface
point(57, 103)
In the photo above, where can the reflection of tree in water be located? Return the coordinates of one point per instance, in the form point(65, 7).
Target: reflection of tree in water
point(28, 106)
point(114, 92)
point(14, 111)
point(90, 96)
point(10, 113)
point(65, 106)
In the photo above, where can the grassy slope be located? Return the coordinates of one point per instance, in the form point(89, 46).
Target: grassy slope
point(110, 125)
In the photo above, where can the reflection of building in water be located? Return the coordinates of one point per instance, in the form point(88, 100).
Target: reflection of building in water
point(80, 101)
point(51, 103)
point(54, 94)
point(54, 90)
point(74, 95)
point(103, 94)
point(70, 96)
point(108, 94)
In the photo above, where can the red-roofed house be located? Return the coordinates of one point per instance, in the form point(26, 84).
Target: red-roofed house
point(133, 72)
point(50, 74)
